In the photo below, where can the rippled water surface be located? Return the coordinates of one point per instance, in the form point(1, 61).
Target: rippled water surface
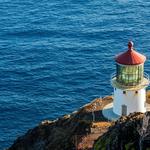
point(56, 56)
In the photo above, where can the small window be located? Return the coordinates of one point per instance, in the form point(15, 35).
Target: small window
point(136, 92)
point(124, 92)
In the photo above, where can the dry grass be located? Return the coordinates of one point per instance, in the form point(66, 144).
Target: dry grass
point(148, 96)
point(101, 124)
point(98, 103)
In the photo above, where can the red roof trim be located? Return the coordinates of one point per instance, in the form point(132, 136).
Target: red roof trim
point(130, 57)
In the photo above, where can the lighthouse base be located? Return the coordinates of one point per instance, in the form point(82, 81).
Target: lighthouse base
point(108, 112)
point(129, 101)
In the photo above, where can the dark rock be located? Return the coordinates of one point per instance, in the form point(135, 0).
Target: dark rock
point(129, 132)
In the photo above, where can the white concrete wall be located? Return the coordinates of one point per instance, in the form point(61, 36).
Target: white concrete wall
point(135, 102)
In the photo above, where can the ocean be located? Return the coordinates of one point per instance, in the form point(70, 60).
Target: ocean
point(57, 55)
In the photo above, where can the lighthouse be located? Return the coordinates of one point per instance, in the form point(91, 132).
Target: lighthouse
point(129, 82)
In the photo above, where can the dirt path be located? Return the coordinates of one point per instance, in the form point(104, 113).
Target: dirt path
point(97, 129)
point(99, 125)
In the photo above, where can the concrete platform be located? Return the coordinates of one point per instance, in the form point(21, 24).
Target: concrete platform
point(108, 112)
point(110, 115)
point(147, 107)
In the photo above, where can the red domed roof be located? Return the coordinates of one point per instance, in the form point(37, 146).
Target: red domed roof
point(130, 57)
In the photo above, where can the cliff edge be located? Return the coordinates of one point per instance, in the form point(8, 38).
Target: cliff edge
point(128, 133)
point(82, 131)
point(67, 132)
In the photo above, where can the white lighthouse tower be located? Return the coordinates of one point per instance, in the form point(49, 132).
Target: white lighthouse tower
point(129, 82)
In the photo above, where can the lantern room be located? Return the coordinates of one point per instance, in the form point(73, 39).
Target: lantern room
point(130, 67)
point(129, 75)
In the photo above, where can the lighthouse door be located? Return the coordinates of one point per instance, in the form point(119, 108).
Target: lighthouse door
point(124, 110)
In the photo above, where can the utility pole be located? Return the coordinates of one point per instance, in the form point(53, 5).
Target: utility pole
point(93, 109)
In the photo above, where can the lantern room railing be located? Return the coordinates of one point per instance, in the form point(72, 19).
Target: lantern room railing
point(145, 78)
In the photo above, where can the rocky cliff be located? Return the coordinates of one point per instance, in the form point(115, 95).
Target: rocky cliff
point(78, 131)
point(128, 133)
point(65, 133)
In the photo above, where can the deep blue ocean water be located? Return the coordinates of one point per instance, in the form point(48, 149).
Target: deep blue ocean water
point(55, 56)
